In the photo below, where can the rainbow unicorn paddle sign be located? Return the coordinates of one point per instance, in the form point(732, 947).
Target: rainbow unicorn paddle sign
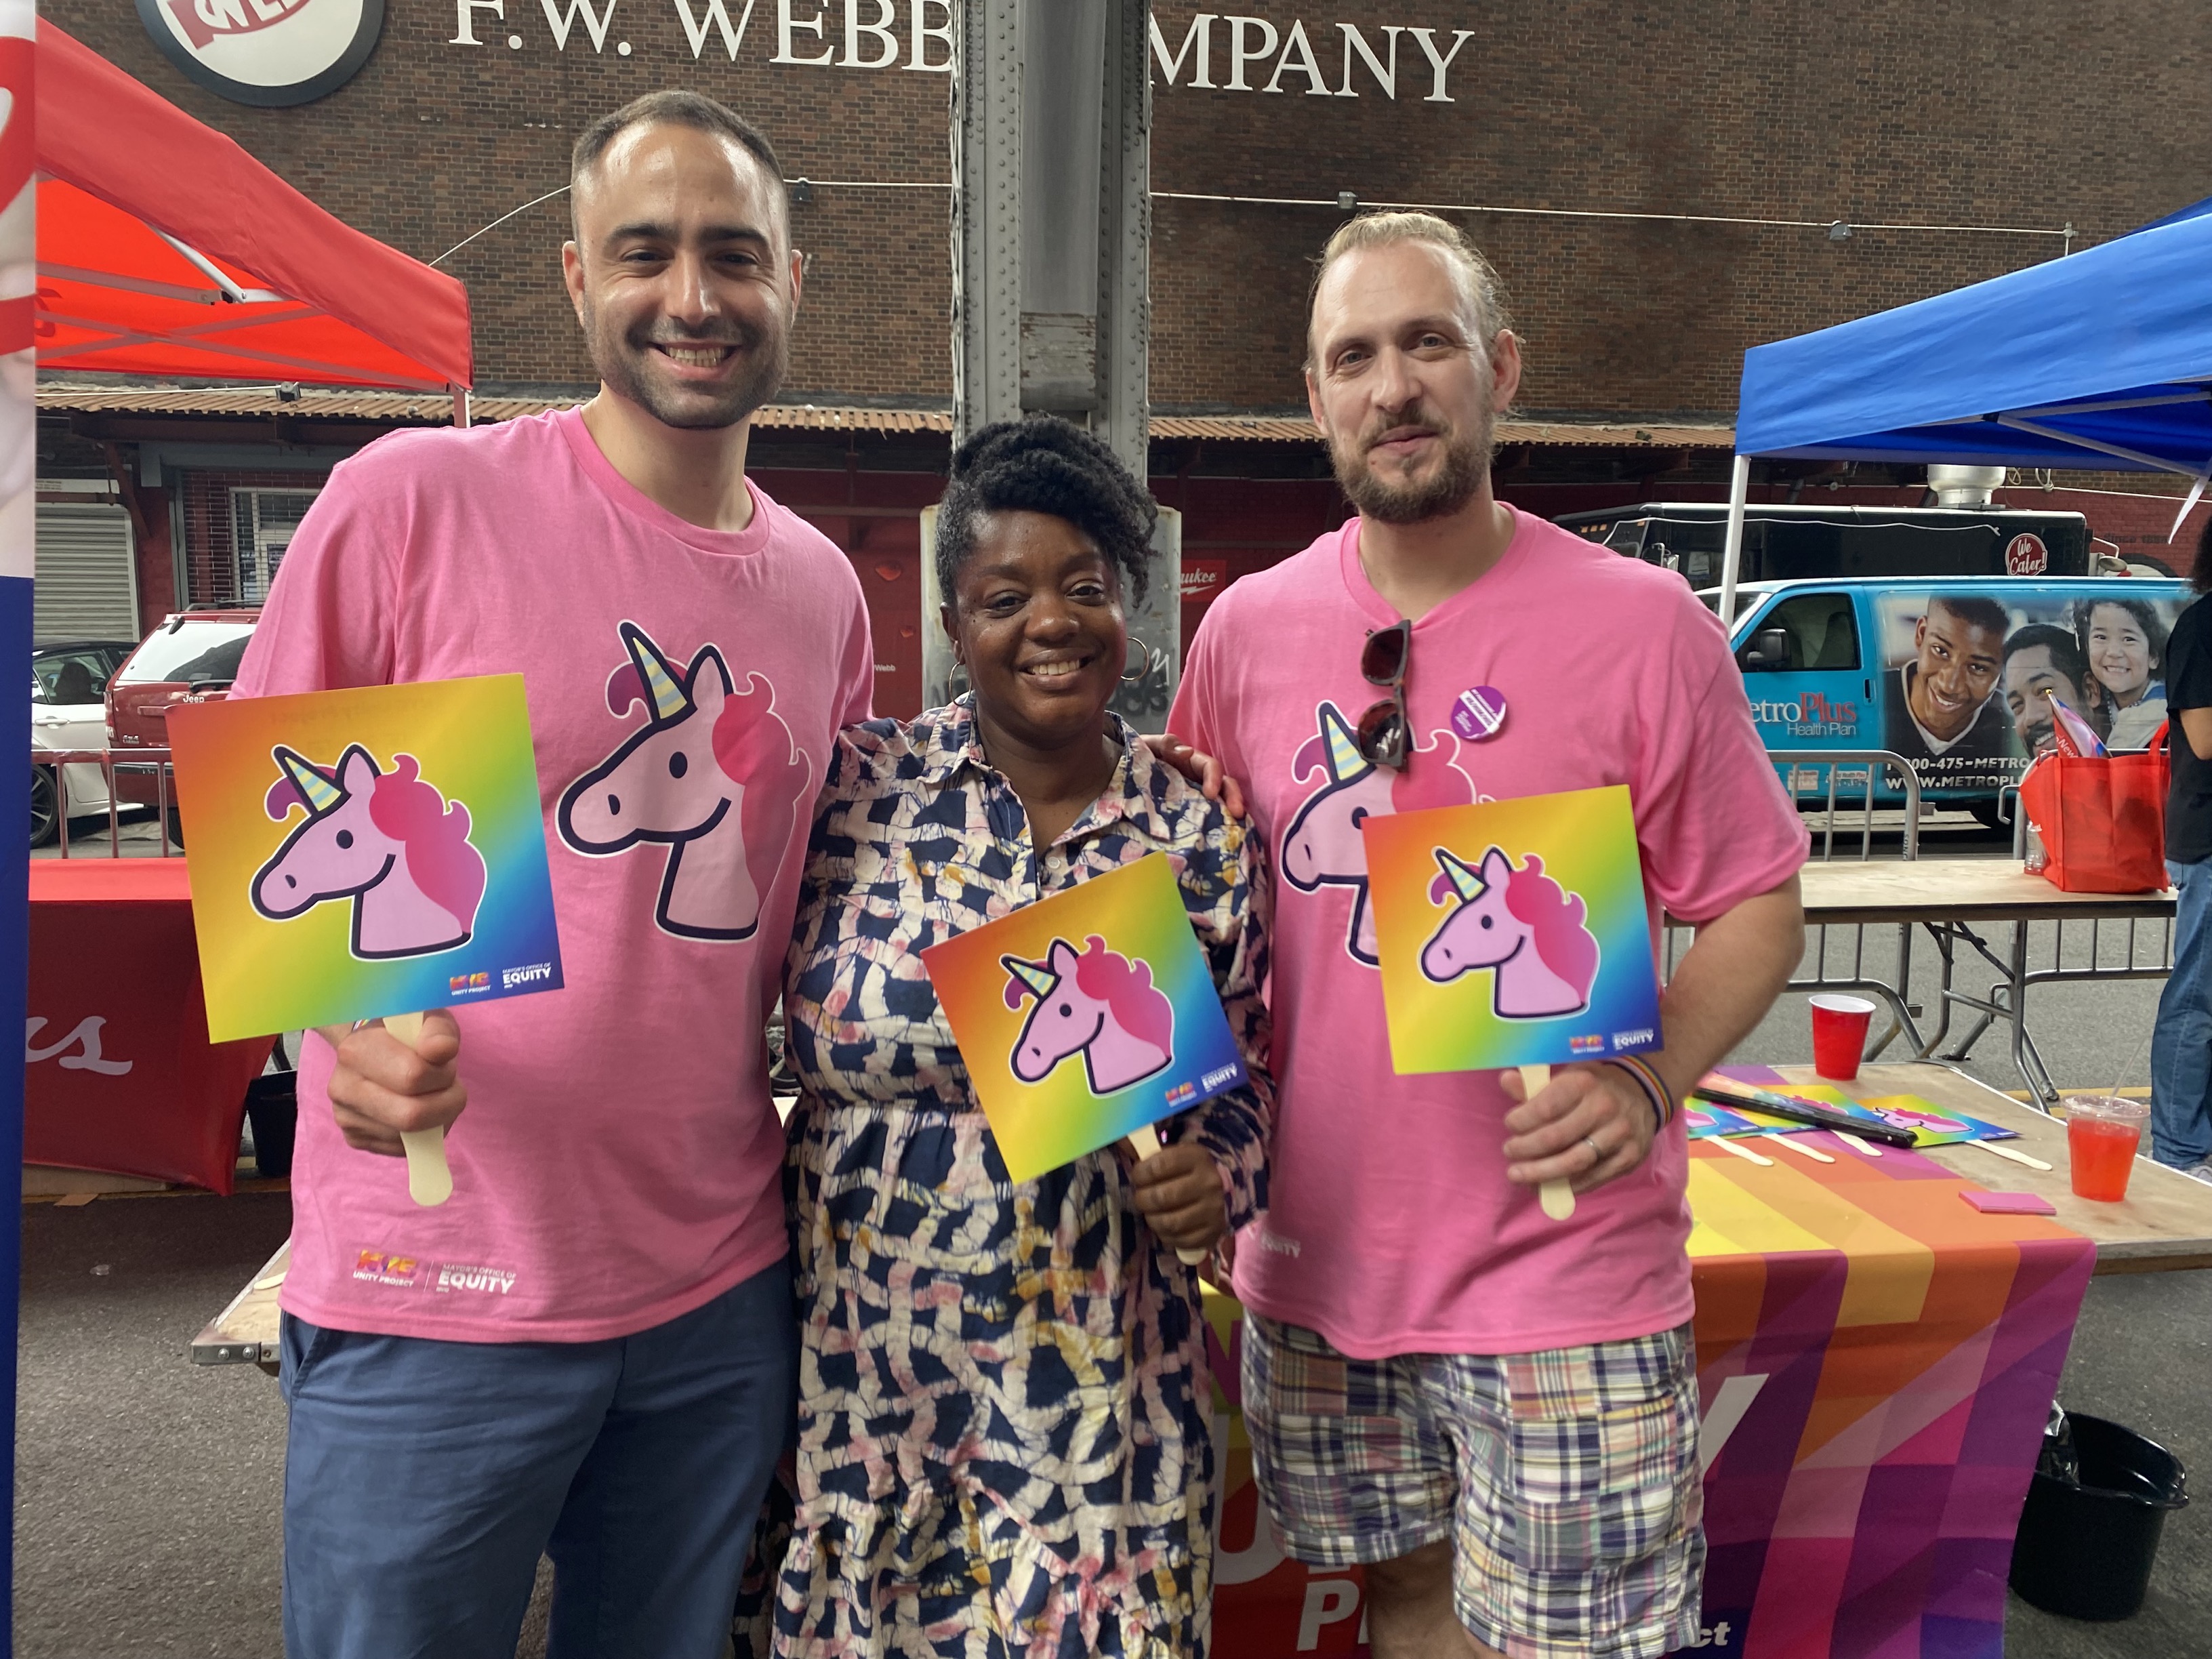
point(364, 852)
point(1514, 932)
point(1086, 1017)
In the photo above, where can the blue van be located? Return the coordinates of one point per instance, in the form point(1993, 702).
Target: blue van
point(1950, 671)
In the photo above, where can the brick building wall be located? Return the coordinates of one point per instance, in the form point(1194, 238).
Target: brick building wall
point(2034, 115)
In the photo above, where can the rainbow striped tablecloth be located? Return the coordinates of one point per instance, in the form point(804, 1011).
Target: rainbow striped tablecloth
point(1876, 1359)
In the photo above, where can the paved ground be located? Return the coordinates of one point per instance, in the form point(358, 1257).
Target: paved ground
point(148, 1489)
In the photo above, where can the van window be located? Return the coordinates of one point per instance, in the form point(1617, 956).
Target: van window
point(1822, 629)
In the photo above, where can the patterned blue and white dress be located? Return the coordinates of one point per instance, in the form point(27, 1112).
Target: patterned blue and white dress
point(1005, 1419)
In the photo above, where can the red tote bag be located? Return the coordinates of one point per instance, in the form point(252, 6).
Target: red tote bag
point(2102, 819)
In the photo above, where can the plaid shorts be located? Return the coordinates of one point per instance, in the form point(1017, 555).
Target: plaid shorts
point(1568, 1482)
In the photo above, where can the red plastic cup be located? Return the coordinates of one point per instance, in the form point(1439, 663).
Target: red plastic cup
point(1839, 1035)
point(2103, 1134)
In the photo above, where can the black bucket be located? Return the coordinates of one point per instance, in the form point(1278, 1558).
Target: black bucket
point(272, 1106)
point(2085, 1550)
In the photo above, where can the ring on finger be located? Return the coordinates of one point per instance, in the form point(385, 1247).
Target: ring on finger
point(1597, 1152)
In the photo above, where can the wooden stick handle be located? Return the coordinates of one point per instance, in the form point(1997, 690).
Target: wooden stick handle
point(1556, 1196)
point(429, 1177)
point(1146, 1139)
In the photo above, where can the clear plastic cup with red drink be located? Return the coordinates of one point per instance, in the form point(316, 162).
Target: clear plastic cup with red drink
point(2103, 1134)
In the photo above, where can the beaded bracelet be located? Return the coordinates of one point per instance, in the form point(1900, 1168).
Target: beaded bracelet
point(1655, 1086)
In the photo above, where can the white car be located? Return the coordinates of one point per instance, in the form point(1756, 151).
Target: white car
point(68, 711)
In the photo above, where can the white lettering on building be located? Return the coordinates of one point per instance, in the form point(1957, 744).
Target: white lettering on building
point(1386, 76)
point(786, 26)
point(718, 17)
point(1428, 40)
point(922, 35)
point(594, 25)
point(1301, 64)
point(1199, 34)
point(463, 25)
point(923, 32)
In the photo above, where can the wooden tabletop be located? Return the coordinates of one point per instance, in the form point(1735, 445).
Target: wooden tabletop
point(2164, 1224)
point(1956, 890)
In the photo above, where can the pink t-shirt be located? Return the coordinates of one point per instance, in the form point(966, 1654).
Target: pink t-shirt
point(1391, 1227)
point(619, 1162)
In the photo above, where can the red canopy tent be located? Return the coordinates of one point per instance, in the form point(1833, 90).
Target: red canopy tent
point(164, 249)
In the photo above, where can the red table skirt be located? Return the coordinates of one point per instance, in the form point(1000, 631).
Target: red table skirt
point(118, 1073)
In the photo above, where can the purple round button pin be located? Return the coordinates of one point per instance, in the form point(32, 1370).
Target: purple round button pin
point(1479, 713)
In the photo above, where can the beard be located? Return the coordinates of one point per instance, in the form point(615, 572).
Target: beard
point(624, 363)
point(1464, 465)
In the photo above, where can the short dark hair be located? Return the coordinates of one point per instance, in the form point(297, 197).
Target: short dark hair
point(1985, 614)
point(672, 107)
point(1045, 465)
point(2146, 617)
point(2065, 654)
point(2200, 574)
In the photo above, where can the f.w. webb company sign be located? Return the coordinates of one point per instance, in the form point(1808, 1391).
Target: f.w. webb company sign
point(287, 52)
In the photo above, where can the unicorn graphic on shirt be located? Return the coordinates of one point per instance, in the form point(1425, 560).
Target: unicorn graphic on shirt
point(1323, 847)
point(713, 775)
point(1098, 1004)
point(387, 841)
point(1517, 923)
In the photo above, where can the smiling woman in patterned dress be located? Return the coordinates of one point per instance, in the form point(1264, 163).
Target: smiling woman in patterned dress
point(1004, 1420)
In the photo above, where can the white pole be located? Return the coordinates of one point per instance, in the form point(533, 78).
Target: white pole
point(1732, 547)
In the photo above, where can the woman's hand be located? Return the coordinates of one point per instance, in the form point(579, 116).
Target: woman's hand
point(1178, 1192)
point(382, 1087)
point(1202, 769)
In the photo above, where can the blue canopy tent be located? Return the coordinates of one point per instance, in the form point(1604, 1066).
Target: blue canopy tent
point(2102, 360)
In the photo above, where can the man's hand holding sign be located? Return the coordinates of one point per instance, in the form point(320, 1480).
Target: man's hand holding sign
point(1515, 933)
point(359, 857)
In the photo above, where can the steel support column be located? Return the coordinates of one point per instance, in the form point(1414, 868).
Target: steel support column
point(1051, 232)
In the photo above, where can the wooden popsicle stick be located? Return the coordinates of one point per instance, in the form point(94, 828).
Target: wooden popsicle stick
point(1856, 1144)
point(1727, 1145)
point(1146, 1139)
point(1795, 1144)
point(1557, 1197)
point(2009, 1152)
point(429, 1177)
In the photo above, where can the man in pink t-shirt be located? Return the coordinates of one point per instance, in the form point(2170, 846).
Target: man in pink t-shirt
point(1495, 1413)
point(588, 1351)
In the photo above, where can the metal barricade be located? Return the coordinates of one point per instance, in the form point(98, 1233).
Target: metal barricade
point(1842, 785)
point(134, 761)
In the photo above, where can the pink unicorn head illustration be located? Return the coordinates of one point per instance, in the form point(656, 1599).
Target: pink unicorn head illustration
point(1098, 1004)
point(1903, 1118)
point(1323, 848)
point(1518, 922)
point(386, 840)
point(713, 775)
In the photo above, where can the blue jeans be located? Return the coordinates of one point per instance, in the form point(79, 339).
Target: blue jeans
point(423, 1479)
point(2181, 1043)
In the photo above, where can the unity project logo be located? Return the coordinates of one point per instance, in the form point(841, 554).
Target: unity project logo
point(270, 52)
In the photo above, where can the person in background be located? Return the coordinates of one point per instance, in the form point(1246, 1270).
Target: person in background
point(2043, 658)
point(1005, 1416)
point(1494, 1414)
point(2125, 645)
point(618, 1393)
point(1944, 708)
point(2181, 1043)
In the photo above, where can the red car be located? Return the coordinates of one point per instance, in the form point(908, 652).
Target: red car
point(192, 657)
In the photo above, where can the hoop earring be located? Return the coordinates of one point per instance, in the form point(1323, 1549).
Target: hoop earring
point(1143, 661)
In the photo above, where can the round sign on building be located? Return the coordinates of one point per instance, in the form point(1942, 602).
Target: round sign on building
point(270, 52)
